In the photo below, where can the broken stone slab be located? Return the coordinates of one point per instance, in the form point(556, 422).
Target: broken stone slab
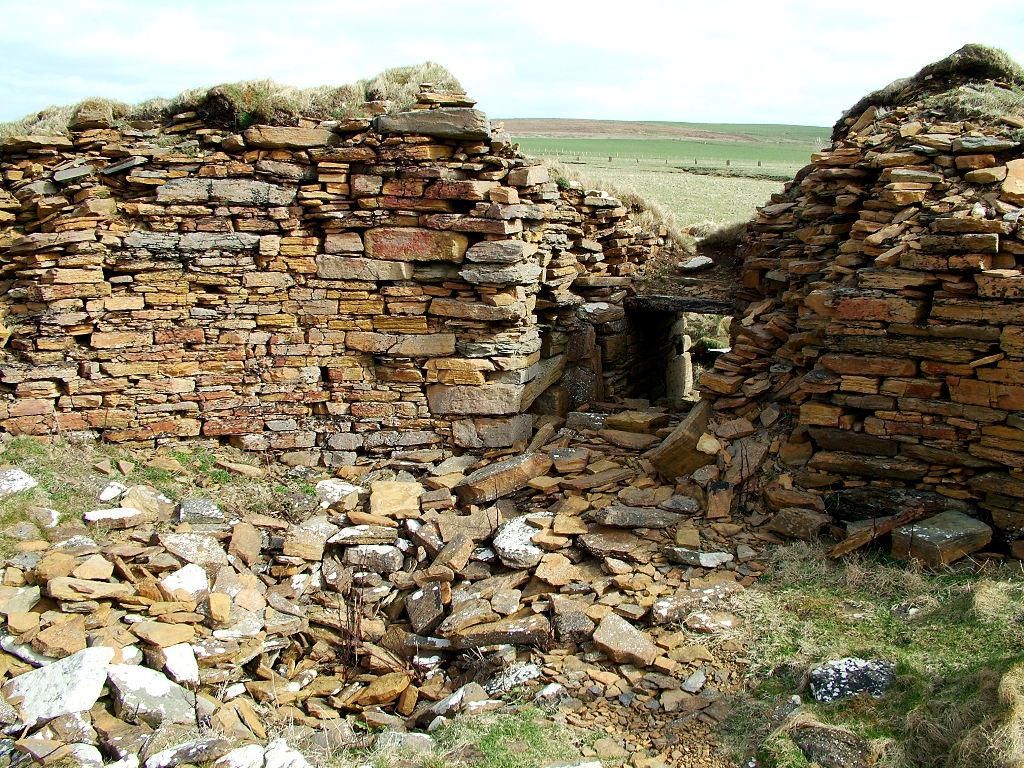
point(425, 608)
point(501, 478)
point(697, 559)
point(677, 607)
point(799, 523)
point(73, 684)
point(148, 695)
point(196, 752)
point(613, 542)
point(379, 558)
point(831, 747)
point(623, 643)
point(75, 590)
point(850, 676)
point(940, 539)
point(119, 518)
point(395, 499)
point(196, 548)
point(18, 599)
point(201, 511)
point(531, 630)
point(677, 455)
point(188, 583)
point(621, 516)
point(444, 123)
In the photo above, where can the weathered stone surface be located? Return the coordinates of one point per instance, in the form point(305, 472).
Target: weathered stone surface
point(532, 630)
point(838, 679)
point(443, 123)
point(274, 137)
point(697, 559)
point(940, 539)
point(513, 542)
point(71, 589)
point(147, 695)
point(621, 516)
point(334, 267)
point(832, 747)
point(237, 191)
point(501, 478)
point(14, 480)
point(195, 548)
point(414, 244)
point(624, 643)
point(677, 455)
point(203, 750)
point(72, 684)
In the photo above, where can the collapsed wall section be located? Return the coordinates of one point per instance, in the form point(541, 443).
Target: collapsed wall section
point(319, 290)
point(884, 295)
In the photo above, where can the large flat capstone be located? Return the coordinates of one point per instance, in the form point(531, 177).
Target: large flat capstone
point(237, 191)
point(444, 123)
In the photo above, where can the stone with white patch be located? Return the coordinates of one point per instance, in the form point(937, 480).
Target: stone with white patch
point(72, 684)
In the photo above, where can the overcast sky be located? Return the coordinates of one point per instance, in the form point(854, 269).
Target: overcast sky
point(709, 61)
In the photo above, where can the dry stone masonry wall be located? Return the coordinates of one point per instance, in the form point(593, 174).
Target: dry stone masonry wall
point(884, 307)
point(319, 290)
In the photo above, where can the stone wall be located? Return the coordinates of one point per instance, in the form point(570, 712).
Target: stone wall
point(884, 309)
point(317, 290)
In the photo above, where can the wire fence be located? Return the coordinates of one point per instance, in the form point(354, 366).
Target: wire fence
point(680, 162)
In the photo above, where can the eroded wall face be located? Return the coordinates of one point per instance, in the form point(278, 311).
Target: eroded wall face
point(885, 309)
point(318, 292)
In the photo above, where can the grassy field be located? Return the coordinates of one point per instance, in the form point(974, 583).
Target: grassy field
point(700, 171)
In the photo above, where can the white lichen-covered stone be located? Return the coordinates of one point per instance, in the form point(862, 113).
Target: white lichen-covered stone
point(72, 684)
point(14, 480)
point(111, 492)
point(279, 755)
point(189, 583)
point(513, 544)
point(249, 756)
point(150, 696)
point(180, 664)
point(850, 676)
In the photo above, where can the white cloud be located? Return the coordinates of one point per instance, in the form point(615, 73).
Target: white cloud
point(723, 61)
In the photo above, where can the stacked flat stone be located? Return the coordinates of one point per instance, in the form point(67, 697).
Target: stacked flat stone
point(319, 291)
point(883, 296)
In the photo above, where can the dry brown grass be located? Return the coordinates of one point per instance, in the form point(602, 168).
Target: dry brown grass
point(254, 101)
point(649, 214)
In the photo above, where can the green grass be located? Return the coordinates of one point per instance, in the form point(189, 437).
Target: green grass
point(681, 152)
point(692, 199)
point(520, 738)
point(964, 641)
point(69, 482)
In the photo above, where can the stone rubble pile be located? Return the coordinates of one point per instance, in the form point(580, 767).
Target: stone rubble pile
point(882, 293)
point(322, 291)
point(418, 593)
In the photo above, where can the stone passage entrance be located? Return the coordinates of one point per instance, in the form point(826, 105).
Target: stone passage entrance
point(659, 345)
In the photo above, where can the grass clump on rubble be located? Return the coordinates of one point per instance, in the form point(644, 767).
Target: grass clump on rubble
point(251, 101)
point(69, 482)
point(976, 81)
point(955, 636)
